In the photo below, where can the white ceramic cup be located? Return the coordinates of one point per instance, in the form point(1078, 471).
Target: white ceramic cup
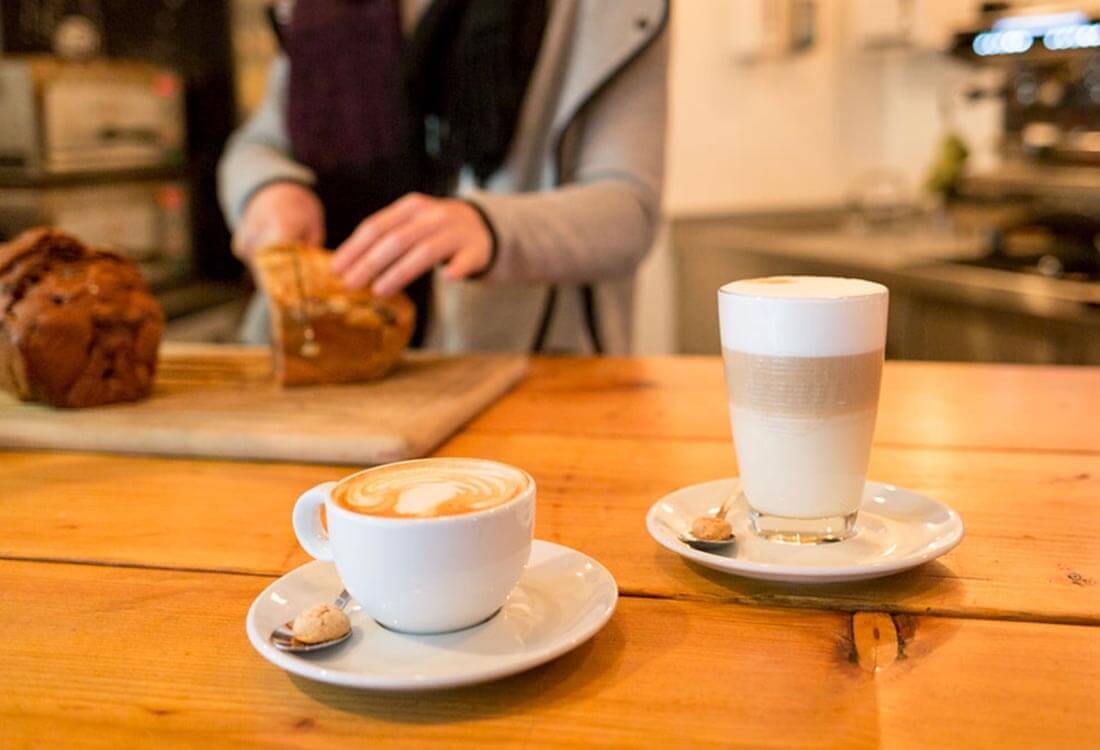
point(422, 575)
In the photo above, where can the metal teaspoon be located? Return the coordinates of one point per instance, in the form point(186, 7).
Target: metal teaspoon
point(711, 545)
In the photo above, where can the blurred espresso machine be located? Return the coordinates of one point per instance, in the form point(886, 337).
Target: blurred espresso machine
point(96, 147)
point(1046, 190)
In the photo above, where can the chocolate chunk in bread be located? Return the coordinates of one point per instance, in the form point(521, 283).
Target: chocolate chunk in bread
point(322, 331)
point(78, 327)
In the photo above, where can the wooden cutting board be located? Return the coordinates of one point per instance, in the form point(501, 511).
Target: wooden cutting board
point(222, 401)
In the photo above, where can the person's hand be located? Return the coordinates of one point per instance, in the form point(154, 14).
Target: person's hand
point(394, 246)
point(279, 212)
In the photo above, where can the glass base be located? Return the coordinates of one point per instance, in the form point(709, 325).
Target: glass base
point(803, 530)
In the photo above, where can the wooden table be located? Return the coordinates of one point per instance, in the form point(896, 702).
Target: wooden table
point(124, 583)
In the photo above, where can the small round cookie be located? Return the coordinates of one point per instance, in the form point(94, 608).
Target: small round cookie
point(712, 529)
point(322, 622)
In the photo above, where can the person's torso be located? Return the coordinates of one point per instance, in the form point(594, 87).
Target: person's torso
point(570, 69)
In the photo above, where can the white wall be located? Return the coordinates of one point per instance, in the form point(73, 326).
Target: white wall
point(796, 131)
point(749, 135)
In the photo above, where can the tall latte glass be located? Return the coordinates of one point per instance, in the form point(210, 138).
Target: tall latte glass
point(803, 358)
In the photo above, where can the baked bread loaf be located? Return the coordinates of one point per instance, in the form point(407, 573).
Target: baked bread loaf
point(323, 332)
point(78, 327)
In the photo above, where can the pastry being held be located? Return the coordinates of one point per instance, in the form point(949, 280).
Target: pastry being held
point(323, 332)
point(78, 326)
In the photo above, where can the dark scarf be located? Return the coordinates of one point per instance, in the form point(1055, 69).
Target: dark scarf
point(450, 97)
point(345, 107)
point(466, 71)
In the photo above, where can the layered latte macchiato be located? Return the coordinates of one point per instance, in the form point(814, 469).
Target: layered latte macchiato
point(430, 489)
point(803, 360)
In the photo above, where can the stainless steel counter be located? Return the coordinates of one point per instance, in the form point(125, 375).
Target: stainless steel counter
point(939, 308)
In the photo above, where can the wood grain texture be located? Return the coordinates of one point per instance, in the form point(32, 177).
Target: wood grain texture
point(923, 404)
point(1029, 553)
point(222, 401)
point(140, 658)
point(115, 653)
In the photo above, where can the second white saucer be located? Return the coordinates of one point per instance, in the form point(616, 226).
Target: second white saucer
point(897, 529)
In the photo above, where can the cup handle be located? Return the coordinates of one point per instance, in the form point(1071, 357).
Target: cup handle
point(307, 521)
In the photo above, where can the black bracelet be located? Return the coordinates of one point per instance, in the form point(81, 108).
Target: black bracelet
point(493, 242)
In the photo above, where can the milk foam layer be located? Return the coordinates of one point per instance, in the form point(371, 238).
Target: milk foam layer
point(804, 287)
point(430, 488)
point(802, 316)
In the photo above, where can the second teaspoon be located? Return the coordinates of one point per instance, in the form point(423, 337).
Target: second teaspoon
point(710, 545)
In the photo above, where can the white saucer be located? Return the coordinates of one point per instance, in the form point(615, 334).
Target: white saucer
point(561, 601)
point(897, 529)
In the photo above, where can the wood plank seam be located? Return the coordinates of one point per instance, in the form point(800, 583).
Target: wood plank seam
point(138, 566)
point(770, 600)
point(475, 429)
point(899, 610)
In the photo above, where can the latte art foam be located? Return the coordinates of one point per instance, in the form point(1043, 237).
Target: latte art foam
point(430, 488)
